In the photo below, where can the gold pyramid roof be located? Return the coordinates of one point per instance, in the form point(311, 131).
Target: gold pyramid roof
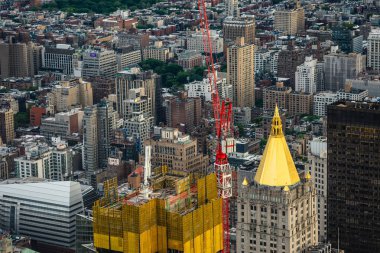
point(277, 167)
point(245, 182)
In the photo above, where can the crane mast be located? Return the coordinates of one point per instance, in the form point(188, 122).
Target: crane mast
point(222, 116)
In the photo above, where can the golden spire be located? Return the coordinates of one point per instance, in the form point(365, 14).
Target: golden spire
point(308, 176)
point(277, 167)
point(245, 182)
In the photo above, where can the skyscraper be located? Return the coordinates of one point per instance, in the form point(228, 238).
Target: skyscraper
point(306, 76)
point(289, 59)
point(90, 140)
point(234, 27)
point(7, 131)
point(276, 212)
point(373, 51)
point(99, 62)
point(241, 73)
point(353, 160)
point(134, 78)
point(290, 21)
point(339, 66)
point(59, 58)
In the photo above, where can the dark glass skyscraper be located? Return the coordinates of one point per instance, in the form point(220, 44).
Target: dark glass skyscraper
point(353, 137)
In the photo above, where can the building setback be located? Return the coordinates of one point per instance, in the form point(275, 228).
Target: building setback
point(353, 158)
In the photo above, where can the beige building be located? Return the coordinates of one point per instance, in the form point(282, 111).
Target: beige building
point(178, 151)
point(7, 131)
point(290, 22)
point(239, 27)
point(295, 103)
point(157, 52)
point(70, 94)
point(276, 211)
point(19, 59)
point(241, 73)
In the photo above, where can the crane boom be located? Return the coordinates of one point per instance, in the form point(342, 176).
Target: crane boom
point(222, 116)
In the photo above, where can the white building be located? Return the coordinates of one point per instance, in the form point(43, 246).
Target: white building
point(43, 210)
point(196, 42)
point(306, 76)
point(158, 52)
point(199, 89)
point(45, 162)
point(99, 62)
point(321, 100)
point(61, 58)
point(139, 127)
point(266, 61)
point(317, 165)
point(352, 94)
point(373, 53)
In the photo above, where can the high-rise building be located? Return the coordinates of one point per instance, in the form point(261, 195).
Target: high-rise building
point(290, 21)
point(127, 56)
point(68, 95)
point(99, 62)
point(19, 59)
point(177, 151)
point(43, 161)
point(90, 140)
point(135, 78)
point(317, 166)
point(347, 40)
point(373, 51)
point(232, 8)
point(295, 103)
point(107, 123)
point(59, 57)
point(353, 162)
point(7, 130)
point(234, 28)
point(289, 58)
point(276, 212)
point(99, 122)
point(338, 67)
point(306, 76)
point(31, 208)
point(183, 112)
point(241, 73)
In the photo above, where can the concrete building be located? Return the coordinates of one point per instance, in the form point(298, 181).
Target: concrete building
point(242, 116)
point(373, 51)
point(235, 27)
point(157, 52)
point(135, 78)
point(99, 62)
point(60, 57)
point(137, 103)
point(31, 207)
point(266, 61)
point(4, 168)
point(290, 21)
point(177, 151)
point(19, 59)
point(277, 211)
point(127, 56)
point(306, 76)
point(321, 100)
point(68, 95)
point(295, 103)
point(317, 166)
point(183, 112)
point(232, 8)
point(352, 94)
point(339, 67)
point(353, 162)
point(241, 73)
point(139, 127)
point(190, 59)
point(199, 89)
point(289, 58)
point(7, 129)
point(43, 161)
point(63, 124)
point(90, 140)
point(195, 42)
point(369, 82)
point(347, 40)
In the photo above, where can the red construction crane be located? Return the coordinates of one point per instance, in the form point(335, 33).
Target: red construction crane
point(222, 115)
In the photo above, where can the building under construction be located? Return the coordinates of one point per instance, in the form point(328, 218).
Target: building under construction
point(170, 216)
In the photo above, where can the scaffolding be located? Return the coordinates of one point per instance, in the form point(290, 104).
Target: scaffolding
point(149, 225)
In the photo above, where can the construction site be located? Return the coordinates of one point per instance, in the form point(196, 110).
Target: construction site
point(168, 216)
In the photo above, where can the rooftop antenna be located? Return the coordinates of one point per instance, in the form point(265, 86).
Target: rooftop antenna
point(147, 171)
